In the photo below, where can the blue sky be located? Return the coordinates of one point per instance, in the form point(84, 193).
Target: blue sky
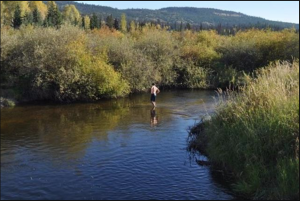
point(286, 11)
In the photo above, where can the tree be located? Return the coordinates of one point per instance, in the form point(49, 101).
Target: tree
point(28, 18)
point(132, 26)
point(40, 6)
point(123, 23)
point(188, 26)
point(71, 15)
point(201, 27)
point(9, 8)
point(117, 24)
point(219, 28)
point(82, 23)
point(94, 22)
point(181, 26)
point(110, 21)
point(175, 26)
point(37, 18)
point(54, 17)
point(86, 22)
point(17, 20)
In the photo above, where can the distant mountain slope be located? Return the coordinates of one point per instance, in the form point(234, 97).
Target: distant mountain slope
point(194, 16)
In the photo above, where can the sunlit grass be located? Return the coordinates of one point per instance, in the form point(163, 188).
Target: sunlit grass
point(256, 134)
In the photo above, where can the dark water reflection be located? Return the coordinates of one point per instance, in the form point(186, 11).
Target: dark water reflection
point(117, 149)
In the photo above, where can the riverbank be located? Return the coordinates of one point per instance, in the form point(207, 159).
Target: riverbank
point(254, 135)
point(71, 64)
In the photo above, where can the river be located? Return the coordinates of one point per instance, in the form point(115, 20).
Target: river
point(112, 149)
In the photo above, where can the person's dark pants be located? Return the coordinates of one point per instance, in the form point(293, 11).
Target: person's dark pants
point(153, 98)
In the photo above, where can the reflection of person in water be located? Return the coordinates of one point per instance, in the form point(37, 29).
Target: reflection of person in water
point(154, 119)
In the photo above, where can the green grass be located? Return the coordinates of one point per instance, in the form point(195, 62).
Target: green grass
point(256, 134)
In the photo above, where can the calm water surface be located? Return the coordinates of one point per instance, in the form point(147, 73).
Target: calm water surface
point(117, 149)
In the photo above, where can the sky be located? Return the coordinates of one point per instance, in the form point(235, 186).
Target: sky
point(285, 11)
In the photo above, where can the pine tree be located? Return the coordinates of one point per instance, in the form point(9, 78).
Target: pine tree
point(94, 22)
point(28, 18)
point(188, 26)
point(54, 16)
point(40, 6)
point(219, 28)
point(37, 18)
point(17, 20)
point(49, 20)
point(110, 21)
point(58, 17)
point(76, 21)
point(117, 24)
point(181, 26)
point(82, 22)
point(123, 23)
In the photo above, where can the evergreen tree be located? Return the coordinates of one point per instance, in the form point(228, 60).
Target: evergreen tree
point(219, 28)
point(76, 21)
point(123, 23)
point(181, 26)
point(82, 22)
point(188, 26)
point(49, 20)
point(201, 27)
point(57, 17)
point(40, 6)
point(17, 20)
point(37, 18)
point(117, 24)
point(94, 22)
point(54, 16)
point(100, 22)
point(28, 18)
point(110, 21)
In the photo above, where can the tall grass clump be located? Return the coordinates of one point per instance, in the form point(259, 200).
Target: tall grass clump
point(255, 134)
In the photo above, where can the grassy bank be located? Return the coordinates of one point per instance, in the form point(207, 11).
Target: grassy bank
point(255, 134)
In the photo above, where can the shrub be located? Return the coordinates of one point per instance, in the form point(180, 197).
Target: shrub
point(253, 49)
point(49, 64)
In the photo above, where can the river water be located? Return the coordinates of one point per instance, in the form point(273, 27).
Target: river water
point(113, 149)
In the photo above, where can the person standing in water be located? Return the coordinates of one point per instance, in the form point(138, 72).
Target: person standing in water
point(154, 92)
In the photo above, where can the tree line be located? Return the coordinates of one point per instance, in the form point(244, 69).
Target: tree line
point(37, 13)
